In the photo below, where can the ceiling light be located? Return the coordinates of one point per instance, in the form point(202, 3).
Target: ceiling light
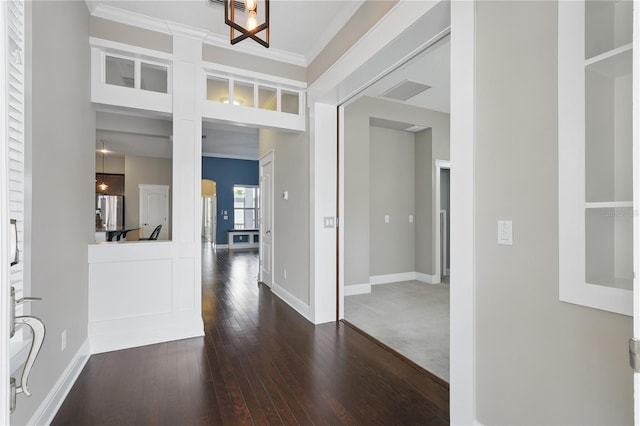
point(253, 13)
point(236, 101)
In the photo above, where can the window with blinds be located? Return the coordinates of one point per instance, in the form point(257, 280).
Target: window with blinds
point(15, 130)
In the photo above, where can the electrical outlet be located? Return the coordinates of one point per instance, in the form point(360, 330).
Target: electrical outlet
point(63, 340)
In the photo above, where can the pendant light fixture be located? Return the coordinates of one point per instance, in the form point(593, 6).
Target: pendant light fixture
point(254, 11)
point(103, 186)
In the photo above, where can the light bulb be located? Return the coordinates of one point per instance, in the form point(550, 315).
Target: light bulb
point(250, 4)
point(252, 21)
point(103, 186)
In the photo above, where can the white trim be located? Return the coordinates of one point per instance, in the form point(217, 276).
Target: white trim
point(392, 278)
point(212, 68)
point(462, 353)
point(51, 404)
point(353, 289)
point(132, 332)
point(221, 246)
point(291, 300)
point(426, 278)
point(4, 227)
point(130, 18)
point(439, 165)
point(636, 198)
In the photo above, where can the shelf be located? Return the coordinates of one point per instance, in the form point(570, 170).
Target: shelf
point(609, 205)
point(614, 63)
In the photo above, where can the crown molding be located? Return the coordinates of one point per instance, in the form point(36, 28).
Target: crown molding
point(256, 50)
point(230, 156)
point(130, 18)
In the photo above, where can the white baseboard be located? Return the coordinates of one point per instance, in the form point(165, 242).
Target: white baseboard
point(51, 404)
point(107, 340)
point(297, 304)
point(392, 278)
point(353, 289)
point(426, 278)
point(403, 276)
point(222, 246)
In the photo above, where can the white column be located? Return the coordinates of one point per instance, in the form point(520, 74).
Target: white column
point(323, 152)
point(188, 89)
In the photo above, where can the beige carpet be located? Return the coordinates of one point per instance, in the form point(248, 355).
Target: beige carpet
point(411, 317)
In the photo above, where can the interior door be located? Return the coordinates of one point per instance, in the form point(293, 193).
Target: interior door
point(154, 210)
point(266, 218)
point(636, 200)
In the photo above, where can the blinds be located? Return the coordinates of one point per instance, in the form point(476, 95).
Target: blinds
point(14, 89)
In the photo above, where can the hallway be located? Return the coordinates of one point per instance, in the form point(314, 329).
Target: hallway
point(258, 363)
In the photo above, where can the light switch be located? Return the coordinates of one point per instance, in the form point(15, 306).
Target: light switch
point(386, 218)
point(225, 217)
point(410, 218)
point(505, 232)
point(285, 195)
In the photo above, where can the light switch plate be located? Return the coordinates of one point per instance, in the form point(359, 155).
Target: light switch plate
point(505, 232)
point(386, 218)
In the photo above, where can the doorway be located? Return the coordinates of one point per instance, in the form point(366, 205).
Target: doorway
point(266, 218)
point(209, 209)
point(395, 133)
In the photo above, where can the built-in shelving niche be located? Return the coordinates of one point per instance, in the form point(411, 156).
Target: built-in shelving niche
point(596, 150)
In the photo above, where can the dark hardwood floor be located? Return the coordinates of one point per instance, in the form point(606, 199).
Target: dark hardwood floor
point(259, 363)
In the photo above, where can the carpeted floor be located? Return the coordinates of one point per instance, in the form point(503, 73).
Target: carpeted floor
point(411, 317)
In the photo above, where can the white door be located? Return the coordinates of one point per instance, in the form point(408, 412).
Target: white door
point(154, 210)
point(266, 218)
point(636, 200)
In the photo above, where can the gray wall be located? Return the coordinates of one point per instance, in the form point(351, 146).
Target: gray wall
point(122, 33)
point(147, 171)
point(431, 144)
point(424, 204)
point(63, 131)
point(392, 181)
point(291, 226)
point(245, 61)
point(538, 360)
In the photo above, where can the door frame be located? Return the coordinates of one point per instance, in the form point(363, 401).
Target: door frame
point(439, 166)
point(266, 158)
point(338, 86)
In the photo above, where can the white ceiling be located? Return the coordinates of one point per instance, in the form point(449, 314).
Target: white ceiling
point(299, 29)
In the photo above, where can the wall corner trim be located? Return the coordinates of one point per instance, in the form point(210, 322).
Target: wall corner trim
point(51, 404)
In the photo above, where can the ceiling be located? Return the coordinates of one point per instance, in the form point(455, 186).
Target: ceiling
point(299, 29)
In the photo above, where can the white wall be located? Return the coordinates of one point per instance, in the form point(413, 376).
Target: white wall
point(539, 361)
point(62, 187)
point(291, 216)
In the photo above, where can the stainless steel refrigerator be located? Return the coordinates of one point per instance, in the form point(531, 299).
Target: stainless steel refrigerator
point(110, 210)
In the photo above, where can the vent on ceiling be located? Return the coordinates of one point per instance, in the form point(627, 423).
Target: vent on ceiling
point(405, 90)
point(415, 129)
point(236, 4)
